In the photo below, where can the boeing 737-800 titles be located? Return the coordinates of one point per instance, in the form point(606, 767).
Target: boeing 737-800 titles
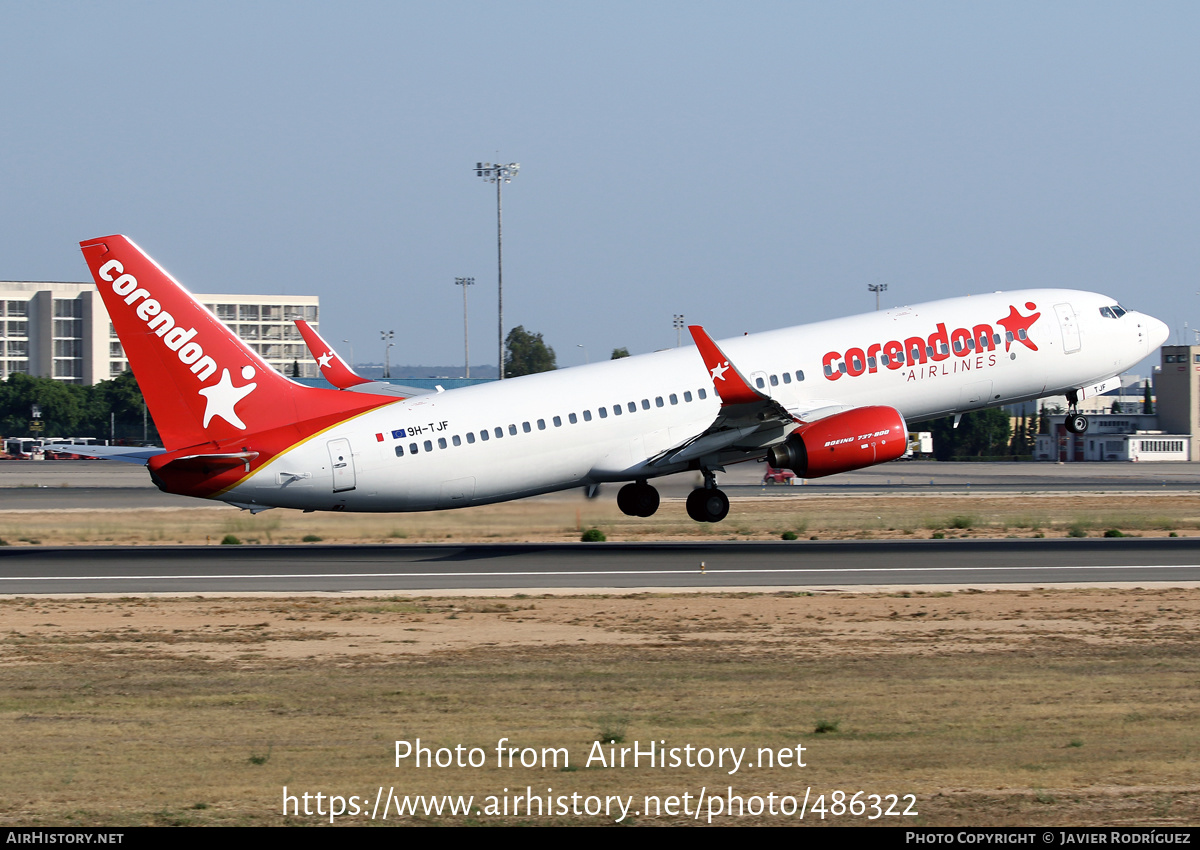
point(818, 399)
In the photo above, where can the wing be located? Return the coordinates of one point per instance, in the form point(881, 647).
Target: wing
point(748, 422)
point(335, 370)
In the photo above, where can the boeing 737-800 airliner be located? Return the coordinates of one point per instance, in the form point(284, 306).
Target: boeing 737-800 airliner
point(818, 399)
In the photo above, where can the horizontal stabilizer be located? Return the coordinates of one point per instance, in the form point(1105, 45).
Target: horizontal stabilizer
point(209, 463)
point(129, 454)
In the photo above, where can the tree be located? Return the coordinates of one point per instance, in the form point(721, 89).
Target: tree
point(527, 354)
point(618, 353)
point(981, 433)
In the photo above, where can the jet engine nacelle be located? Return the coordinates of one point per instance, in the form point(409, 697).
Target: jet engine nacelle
point(853, 439)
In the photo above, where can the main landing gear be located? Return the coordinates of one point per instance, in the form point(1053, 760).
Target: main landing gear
point(1076, 422)
point(707, 503)
point(637, 499)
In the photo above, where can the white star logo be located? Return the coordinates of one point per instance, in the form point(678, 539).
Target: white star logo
point(221, 397)
point(718, 371)
point(324, 359)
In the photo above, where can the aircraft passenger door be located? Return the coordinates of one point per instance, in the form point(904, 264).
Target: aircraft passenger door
point(341, 460)
point(1070, 327)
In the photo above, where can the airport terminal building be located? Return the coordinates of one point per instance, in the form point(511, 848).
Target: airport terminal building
point(62, 330)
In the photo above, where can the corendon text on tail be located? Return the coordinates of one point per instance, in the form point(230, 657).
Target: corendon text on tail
point(817, 399)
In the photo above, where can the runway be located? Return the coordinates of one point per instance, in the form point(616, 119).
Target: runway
point(84, 485)
point(599, 568)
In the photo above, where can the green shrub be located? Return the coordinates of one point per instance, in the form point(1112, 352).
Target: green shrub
point(230, 540)
point(593, 535)
point(789, 535)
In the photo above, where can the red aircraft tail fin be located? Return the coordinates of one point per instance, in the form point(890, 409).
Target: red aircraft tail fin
point(201, 383)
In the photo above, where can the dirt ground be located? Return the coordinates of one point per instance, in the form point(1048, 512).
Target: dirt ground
point(1030, 707)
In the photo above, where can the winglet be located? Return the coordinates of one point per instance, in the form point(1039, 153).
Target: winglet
point(333, 368)
point(730, 384)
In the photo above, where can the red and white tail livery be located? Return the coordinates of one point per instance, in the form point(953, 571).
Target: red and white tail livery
point(818, 399)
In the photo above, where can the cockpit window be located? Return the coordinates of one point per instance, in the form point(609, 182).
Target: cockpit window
point(1107, 312)
point(1115, 311)
point(1119, 310)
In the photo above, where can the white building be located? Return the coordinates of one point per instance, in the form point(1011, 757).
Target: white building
point(62, 331)
point(1113, 436)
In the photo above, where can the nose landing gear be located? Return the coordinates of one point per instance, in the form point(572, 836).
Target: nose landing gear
point(1076, 422)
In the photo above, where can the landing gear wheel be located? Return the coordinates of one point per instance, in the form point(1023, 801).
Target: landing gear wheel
point(637, 499)
point(707, 505)
point(1077, 423)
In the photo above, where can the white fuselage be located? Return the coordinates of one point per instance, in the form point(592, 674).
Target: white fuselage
point(560, 429)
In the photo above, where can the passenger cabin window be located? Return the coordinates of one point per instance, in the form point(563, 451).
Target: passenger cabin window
point(512, 430)
point(429, 445)
point(470, 437)
point(572, 418)
point(525, 427)
point(702, 393)
point(604, 413)
point(399, 451)
point(587, 416)
point(645, 404)
point(412, 448)
point(632, 407)
point(617, 410)
point(774, 380)
point(658, 401)
point(687, 395)
point(674, 398)
point(483, 435)
point(457, 440)
point(760, 383)
point(499, 432)
point(557, 421)
point(441, 442)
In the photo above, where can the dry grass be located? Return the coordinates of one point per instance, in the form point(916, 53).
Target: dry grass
point(1001, 708)
point(563, 518)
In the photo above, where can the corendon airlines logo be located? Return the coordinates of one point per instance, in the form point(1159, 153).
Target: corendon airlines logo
point(972, 347)
point(220, 398)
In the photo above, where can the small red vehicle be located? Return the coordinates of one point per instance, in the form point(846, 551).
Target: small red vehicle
point(778, 476)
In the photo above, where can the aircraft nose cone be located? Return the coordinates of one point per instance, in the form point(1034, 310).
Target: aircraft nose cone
point(1156, 333)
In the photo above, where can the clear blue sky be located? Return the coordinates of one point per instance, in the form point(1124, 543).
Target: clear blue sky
point(750, 165)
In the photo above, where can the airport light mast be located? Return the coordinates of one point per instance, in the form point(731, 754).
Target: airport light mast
point(387, 336)
point(464, 282)
point(499, 174)
point(877, 288)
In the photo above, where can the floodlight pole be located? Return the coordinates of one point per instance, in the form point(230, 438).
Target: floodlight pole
point(678, 324)
point(387, 336)
point(464, 282)
point(877, 288)
point(499, 174)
